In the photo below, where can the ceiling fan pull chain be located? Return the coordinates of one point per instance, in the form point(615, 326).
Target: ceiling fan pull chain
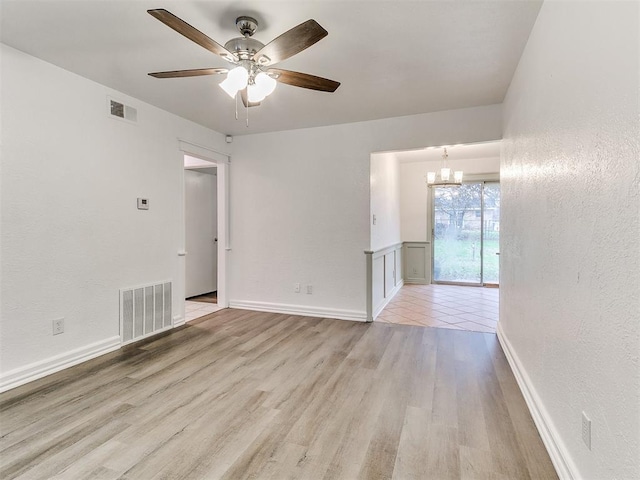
point(236, 106)
point(247, 113)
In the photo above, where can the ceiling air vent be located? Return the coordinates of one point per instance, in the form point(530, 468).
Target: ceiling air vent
point(119, 110)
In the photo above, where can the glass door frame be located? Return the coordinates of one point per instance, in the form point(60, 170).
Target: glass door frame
point(483, 179)
point(484, 282)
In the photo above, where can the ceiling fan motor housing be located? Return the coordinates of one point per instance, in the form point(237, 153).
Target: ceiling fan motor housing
point(243, 47)
point(247, 25)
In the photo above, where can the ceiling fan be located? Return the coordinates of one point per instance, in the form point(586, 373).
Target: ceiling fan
point(253, 76)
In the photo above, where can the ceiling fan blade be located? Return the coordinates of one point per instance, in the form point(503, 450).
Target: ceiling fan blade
point(189, 73)
point(305, 80)
point(245, 99)
point(290, 42)
point(193, 34)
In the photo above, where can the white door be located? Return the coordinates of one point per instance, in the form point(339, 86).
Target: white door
point(201, 227)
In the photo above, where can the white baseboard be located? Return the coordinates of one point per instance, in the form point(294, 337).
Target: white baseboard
point(387, 299)
point(416, 281)
point(178, 321)
point(565, 468)
point(303, 310)
point(20, 376)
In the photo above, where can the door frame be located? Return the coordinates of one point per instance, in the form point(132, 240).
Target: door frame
point(480, 178)
point(198, 234)
point(489, 284)
point(222, 162)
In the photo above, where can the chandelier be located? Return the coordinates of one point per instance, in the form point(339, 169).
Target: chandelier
point(445, 175)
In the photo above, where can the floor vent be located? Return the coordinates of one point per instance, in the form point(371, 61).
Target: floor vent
point(144, 310)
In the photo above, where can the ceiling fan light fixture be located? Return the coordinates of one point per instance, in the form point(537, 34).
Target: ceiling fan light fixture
point(227, 86)
point(239, 77)
point(236, 80)
point(265, 83)
point(254, 94)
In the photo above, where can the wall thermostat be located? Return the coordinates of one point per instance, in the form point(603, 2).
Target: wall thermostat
point(143, 204)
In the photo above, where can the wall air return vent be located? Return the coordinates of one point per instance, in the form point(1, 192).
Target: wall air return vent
point(144, 311)
point(120, 111)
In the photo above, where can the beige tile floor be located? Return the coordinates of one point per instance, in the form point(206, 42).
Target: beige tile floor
point(444, 306)
point(195, 310)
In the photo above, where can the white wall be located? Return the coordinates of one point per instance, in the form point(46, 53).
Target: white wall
point(71, 233)
point(570, 256)
point(415, 198)
point(385, 200)
point(300, 204)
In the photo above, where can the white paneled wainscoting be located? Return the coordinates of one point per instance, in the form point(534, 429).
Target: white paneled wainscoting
point(417, 262)
point(384, 277)
point(389, 268)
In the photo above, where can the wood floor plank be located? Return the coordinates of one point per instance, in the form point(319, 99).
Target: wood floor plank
point(412, 449)
point(50, 447)
point(475, 464)
point(252, 395)
point(444, 409)
point(422, 381)
point(443, 456)
point(383, 447)
point(357, 451)
point(472, 428)
point(505, 451)
point(324, 446)
point(529, 442)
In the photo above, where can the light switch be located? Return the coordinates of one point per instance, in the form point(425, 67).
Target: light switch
point(143, 204)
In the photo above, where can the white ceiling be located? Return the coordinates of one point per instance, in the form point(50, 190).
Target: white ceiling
point(468, 151)
point(393, 58)
point(194, 162)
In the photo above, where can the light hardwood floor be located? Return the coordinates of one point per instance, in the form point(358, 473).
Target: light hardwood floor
point(211, 297)
point(243, 394)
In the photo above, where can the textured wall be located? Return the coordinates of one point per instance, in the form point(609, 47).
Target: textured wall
point(71, 233)
point(570, 233)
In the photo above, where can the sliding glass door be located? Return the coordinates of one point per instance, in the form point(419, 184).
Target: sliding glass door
point(491, 233)
point(466, 224)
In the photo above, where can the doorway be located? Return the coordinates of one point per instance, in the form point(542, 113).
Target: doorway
point(201, 230)
point(210, 169)
point(465, 233)
point(201, 237)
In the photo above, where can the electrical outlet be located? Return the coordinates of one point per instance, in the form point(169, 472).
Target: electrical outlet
point(58, 326)
point(309, 289)
point(586, 430)
point(296, 287)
